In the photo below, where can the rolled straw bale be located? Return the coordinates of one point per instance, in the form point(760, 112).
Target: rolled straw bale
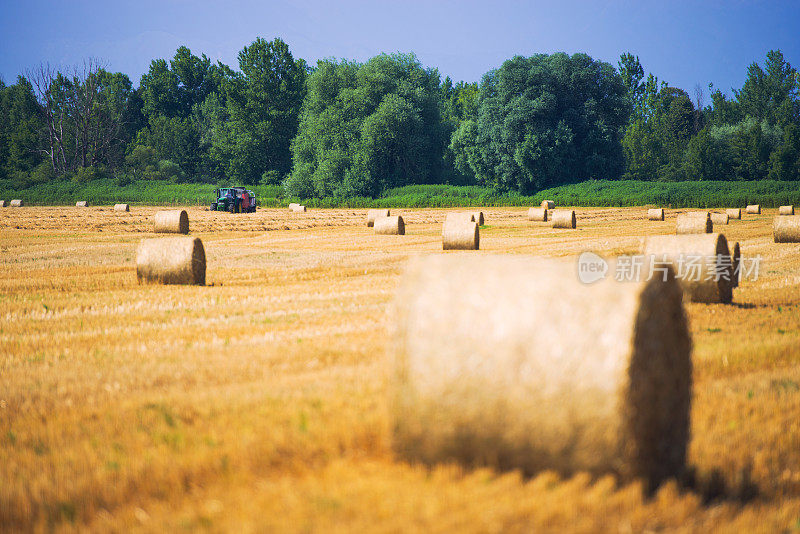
point(297, 208)
point(171, 260)
point(460, 234)
point(82, 204)
point(478, 217)
point(701, 262)
point(734, 213)
point(688, 224)
point(786, 210)
point(537, 214)
point(392, 225)
point(736, 261)
point(293, 205)
point(171, 222)
point(122, 207)
point(16, 203)
point(563, 219)
point(2, 203)
point(611, 393)
point(786, 229)
point(754, 209)
point(719, 218)
point(548, 204)
point(374, 214)
point(655, 214)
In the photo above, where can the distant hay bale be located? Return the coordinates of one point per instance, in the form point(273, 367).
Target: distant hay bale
point(537, 214)
point(548, 204)
point(786, 210)
point(16, 203)
point(297, 208)
point(392, 225)
point(786, 229)
point(600, 383)
point(753, 209)
point(82, 204)
point(702, 264)
point(293, 205)
point(122, 207)
point(2, 203)
point(478, 217)
point(374, 214)
point(171, 222)
point(563, 219)
point(734, 213)
point(171, 260)
point(460, 234)
point(655, 214)
point(736, 261)
point(719, 218)
point(688, 224)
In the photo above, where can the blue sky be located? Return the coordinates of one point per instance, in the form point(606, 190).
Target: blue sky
point(684, 43)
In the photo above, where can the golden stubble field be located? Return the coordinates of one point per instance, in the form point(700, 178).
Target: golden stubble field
point(258, 402)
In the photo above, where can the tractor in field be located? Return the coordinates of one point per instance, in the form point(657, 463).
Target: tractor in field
point(234, 200)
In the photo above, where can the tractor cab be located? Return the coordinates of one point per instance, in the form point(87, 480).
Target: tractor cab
point(234, 200)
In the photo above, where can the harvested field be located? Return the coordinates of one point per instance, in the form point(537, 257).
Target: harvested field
point(259, 402)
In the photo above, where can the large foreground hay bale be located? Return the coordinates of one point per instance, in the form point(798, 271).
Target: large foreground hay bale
point(2, 203)
point(655, 214)
point(392, 225)
point(736, 262)
point(82, 204)
point(171, 222)
point(460, 234)
point(374, 214)
point(702, 264)
point(600, 383)
point(548, 204)
point(537, 214)
point(786, 229)
point(786, 210)
point(122, 207)
point(478, 217)
point(297, 208)
point(754, 209)
point(689, 224)
point(719, 218)
point(171, 260)
point(734, 213)
point(16, 203)
point(563, 219)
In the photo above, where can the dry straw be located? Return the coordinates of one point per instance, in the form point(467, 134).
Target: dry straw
point(474, 383)
point(297, 208)
point(392, 225)
point(478, 217)
point(374, 214)
point(171, 222)
point(460, 234)
point(702, 262)
point(786, 229)
point(82, 204)
point(537, 214)
point(563, 219)
point(122, 207)
point(734, 213)
point(548, 204)
point(736, 261)
point(16, 203)
point(701, 214)
point(786, 210)
point(171, 260)
point(719, 218)
point(655, 214)
point(688, 224)
point(754, 209)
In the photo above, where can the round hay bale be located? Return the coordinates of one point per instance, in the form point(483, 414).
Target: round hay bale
point(702, 263)
point(689, 224)
point(786, 229)
point(171, 260)
point(171, 222)
point(82, 204)
point(293, 205)
point(374, 214)
point(537, 214)
point(2, 203)
point(563, 219)
point(548, 204)
point(474, 383)
point(786, 210)
point(122, 207)
point(478, 217)
point(16, 203)
point(734, 213)
point(719, 218)
point(460, 234)
point(297, 208)
point(753, 209)
point(655, 214)
point(392, 225)
point(736, 262)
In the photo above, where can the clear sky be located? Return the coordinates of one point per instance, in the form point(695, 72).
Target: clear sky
point(684, 43)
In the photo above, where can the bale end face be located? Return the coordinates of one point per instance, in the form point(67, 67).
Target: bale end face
point(736, 261)
point(564, 219)
point(548, 204)
point(171, 260)
point(171, 222)
point(786, 229)
point(460, 235)
point(655, 214)
point(537, 214)
point(477, 216)
point(390, 225)
point(786, 210)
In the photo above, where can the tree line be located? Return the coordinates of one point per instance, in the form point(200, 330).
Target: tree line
point(344, 128)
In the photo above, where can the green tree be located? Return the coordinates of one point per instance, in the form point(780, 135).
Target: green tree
point(20, 128)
